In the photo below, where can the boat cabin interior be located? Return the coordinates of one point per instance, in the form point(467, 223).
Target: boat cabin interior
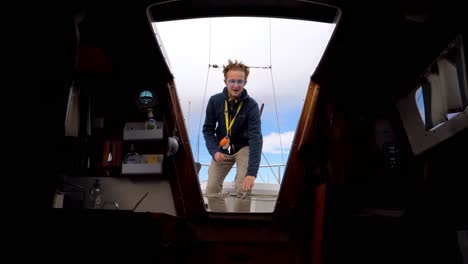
point(374, 168)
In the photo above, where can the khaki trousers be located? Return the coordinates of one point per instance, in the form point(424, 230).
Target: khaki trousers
point(218, 171)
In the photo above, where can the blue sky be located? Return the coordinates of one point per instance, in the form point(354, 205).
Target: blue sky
point(420, 104)
point(190, 46)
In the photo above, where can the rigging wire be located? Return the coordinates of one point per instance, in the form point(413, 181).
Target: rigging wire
point(270, 41)
point(204, 94)
point(261, 176)
point(188, 119)
point(271, 168)
point(277, 118)
point(264, 156)
point(274, 98)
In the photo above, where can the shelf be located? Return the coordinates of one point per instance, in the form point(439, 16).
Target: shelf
point(137, 131)
point(144, 168)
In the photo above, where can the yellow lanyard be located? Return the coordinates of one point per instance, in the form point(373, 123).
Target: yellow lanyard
point(226, 115)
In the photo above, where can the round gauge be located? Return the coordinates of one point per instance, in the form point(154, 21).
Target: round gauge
point(145, 99)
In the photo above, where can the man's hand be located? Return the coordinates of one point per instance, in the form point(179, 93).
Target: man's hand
point(248, 183)
point(219, 156)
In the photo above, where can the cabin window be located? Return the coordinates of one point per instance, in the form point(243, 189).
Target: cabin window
point(72, 116)
point(420, 104)
point(443, 91)
point(437, 108)
point(282, 55)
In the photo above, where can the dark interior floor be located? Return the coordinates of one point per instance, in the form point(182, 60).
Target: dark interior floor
point(422, 232)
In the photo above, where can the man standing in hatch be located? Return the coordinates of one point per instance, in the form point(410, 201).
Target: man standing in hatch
point(232, 132)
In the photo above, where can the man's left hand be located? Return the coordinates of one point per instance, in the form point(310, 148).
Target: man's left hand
point(248, 183)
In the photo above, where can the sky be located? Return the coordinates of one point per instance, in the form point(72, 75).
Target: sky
point(420, 104)
point(293, 49)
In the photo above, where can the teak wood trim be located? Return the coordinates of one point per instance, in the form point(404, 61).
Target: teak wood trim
point(294, 173)
point(185, 175)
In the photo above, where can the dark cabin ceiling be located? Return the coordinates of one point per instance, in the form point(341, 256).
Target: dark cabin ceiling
point(377, 53)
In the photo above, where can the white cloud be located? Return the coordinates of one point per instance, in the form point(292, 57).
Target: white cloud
point(296, 48)
point(271, 142)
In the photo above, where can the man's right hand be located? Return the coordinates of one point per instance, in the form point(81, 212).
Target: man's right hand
point(219, 156)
